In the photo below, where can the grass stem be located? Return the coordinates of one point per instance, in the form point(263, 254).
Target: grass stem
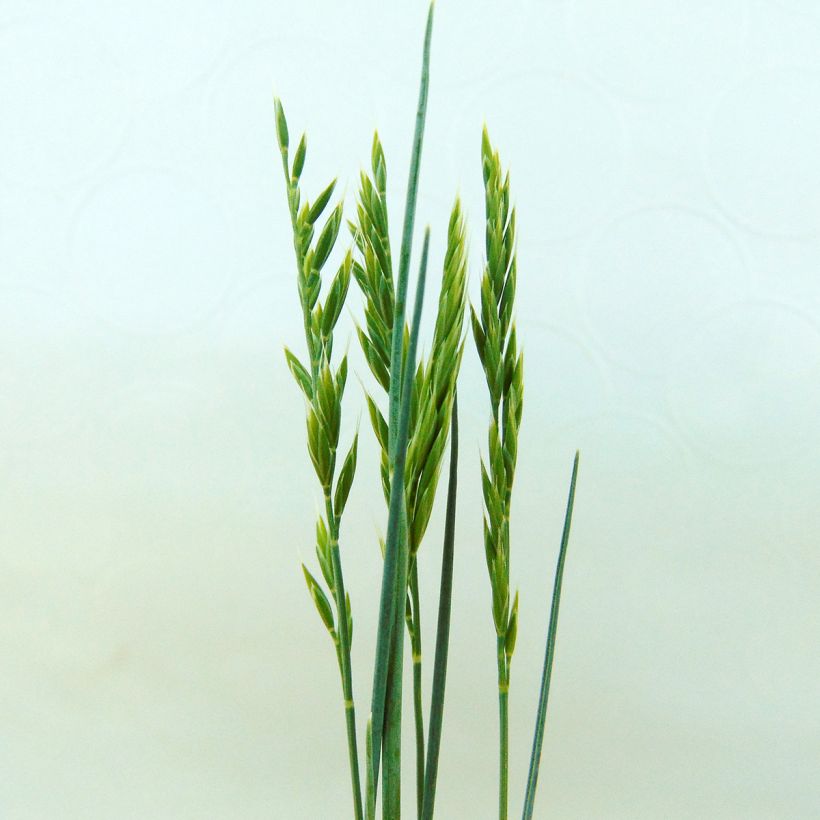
point(443, 627)
point(503, 731)
point(344, 659)
point(388, 603)
point(392, 730)
point(418, 709)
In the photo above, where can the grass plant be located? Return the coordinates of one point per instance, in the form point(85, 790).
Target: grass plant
point(413, 417)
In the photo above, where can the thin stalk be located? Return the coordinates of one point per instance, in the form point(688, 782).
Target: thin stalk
point(387, 602)
point(443, 628)
point(417, 698)
point(395, 561)
point(392, 731)
point(370, 795)
point(391, 748)
point(503, 730)
point(344, 658)
point(541, 717)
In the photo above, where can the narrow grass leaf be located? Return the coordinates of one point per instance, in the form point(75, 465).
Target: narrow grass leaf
point(443, 628)
point(387, 602)
point(398, 511)
point(393, 571)
point(541, 717)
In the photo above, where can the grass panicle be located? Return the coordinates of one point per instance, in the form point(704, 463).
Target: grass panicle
point(323, 388)
point(433, 386)
point(495, 339)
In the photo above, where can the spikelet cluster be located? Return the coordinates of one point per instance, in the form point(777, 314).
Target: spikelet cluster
point(435, 377)
point(495, 339)
point(322, 385)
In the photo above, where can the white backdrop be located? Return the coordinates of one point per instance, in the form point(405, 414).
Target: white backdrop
point(160, 657)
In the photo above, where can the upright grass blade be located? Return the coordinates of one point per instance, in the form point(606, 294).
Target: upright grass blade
point(370, 794)
point(443, 629)
point(391, 795)
point(414, 627)
point(395, 559)
point(540, 721)
point(397, 341)
point(388, 602)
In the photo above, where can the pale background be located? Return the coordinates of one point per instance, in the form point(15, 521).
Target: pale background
point(159, 656)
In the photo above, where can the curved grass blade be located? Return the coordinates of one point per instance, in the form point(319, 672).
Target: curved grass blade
point(538, 739)
point(443, 629)
point(395, 559)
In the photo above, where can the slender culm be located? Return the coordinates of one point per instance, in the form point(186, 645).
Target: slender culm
point(443, 630)
point(395, 535)
point(389, 603)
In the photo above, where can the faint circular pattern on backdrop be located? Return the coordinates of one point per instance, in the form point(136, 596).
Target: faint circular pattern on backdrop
point(572, 135)
point(760, 152)
point(152, 252)
point(160, 59)
point(649, 276)
point(647, 54)
point(656, 469)
point(241, 96)
point(480, 46)
point(32, 225)
point(46, 366)
point(61, 101)
point(748, 390)
point(170, 445)
point(809, 7)
point(571, 383)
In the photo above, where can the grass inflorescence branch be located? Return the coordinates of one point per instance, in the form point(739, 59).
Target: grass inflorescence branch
point(495, 339)
point(323, 388)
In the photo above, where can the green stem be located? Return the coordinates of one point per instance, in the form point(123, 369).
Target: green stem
point(370, 796)
point(503, 730)
point(387, 603)
point(389, 642)
point(391, 793)
point(443, 627)
point(398, 380)
point(417, 699)
point(344, 657)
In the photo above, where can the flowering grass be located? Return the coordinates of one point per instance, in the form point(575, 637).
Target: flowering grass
point(412, 420)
